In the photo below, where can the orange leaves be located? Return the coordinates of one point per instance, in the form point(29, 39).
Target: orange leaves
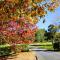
point(32, 20)
point(34, 5)
point(33, 13)
point(40, 11)
point(26, 3)
point(14, 18)
point(35, 20)
point(53, 6)
point(54, 0)
point(23, 13)
point(13, 1)
point(27, 41)
point(56, 4)
point(37, 1)
point(28, 18)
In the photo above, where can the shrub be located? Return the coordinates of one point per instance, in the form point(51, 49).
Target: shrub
point(8, 50)
point(5, 51)
point(25, 48)
point(22, 48)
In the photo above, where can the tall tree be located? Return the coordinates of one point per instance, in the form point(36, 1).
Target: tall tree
point(52, 29)
point(18, 18)
point(40, 35)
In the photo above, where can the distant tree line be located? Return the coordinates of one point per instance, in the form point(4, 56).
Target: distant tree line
point(43, 35)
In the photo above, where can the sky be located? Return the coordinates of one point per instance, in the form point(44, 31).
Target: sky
point(51, 18)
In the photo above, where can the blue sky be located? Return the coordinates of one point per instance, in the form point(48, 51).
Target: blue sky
point(51, 18)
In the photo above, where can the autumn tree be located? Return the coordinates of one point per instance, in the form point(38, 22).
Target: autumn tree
point(18, 18)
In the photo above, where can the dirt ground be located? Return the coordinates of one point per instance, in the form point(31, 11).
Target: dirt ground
point(24, 56)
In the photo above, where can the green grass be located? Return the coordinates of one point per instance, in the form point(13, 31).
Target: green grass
point(43, 45)
point(46, 45)
point(6, 45)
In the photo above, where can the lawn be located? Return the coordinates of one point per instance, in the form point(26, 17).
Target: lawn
point(46, 45)
point(43, 45)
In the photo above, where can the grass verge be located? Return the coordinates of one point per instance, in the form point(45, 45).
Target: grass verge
point(46, 45)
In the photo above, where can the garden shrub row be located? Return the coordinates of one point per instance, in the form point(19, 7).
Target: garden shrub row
point(7, 50)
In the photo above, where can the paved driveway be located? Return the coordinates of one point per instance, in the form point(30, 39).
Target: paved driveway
point(48, 55)
point(43, 54)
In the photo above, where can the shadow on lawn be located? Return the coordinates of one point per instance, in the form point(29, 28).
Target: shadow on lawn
point(5, 58)
point(50, 50)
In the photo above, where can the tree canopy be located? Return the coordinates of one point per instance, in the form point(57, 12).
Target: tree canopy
point(18, 18)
